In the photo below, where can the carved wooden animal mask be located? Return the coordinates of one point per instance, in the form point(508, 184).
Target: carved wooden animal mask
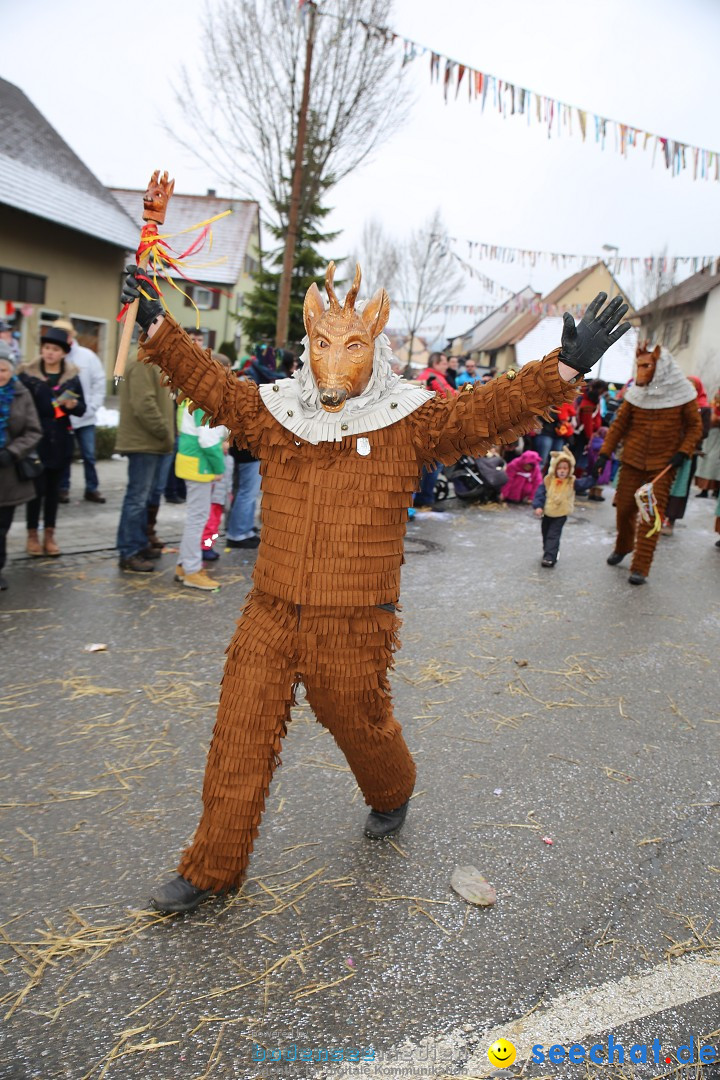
point(342, 340)
point(156, 197)
point(645, 363)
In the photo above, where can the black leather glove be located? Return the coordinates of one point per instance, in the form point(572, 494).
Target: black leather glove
point(600, 462)
point(148, 310)
point(6, 458)
point(678, 459)
point(584, 344)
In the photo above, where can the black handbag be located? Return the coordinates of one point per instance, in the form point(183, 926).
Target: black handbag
point(29, 467)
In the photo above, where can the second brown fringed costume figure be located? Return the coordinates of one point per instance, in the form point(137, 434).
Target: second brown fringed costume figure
point(341, 447)
point(659, 427)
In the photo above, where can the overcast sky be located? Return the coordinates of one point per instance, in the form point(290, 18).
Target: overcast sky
point(101, 75)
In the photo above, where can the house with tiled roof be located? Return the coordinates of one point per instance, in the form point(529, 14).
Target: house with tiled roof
point(470, 343)
point(64, 236)
point(222, 272)
point(496, 341)
point(686, 320)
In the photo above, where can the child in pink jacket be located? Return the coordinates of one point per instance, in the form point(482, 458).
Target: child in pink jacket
point(524, 475)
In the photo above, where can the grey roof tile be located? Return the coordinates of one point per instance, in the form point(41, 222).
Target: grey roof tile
point(41, 175)
point(221, 264)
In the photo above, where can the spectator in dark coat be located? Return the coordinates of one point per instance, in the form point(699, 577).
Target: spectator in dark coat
point(57, 392)
point(20, 433)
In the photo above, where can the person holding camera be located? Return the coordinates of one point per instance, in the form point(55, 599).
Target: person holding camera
point(57, 392)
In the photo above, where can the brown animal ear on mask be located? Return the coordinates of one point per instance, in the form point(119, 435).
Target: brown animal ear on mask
point(656, 353)
point(376, 313)
point(313, 306)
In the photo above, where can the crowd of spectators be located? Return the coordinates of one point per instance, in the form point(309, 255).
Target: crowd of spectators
point(49, 406)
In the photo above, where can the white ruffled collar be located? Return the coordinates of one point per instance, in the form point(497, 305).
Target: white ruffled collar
point(295, 402)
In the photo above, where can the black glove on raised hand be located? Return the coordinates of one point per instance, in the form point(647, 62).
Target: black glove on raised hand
point(148, 310)
point(678, 459)
point(584, 344)
point(600, 462)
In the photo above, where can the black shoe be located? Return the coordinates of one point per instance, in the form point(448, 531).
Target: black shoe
point(64, 496)
point(381, 823)
point(717, 545)
point(703, 494)
point(178, 896)
point(547, 561)
point(210, 555)
point(615, 558)
point(637, 579)
point(248, 542)
point(174, 499)
point(94, 496)
point(3, 583)
point(596, 498)
point(137, 564)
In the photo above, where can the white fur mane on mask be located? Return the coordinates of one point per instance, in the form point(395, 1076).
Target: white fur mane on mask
point(387, 398)
point(383, 380)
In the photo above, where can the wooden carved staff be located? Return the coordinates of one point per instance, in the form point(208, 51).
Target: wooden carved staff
point(155, 201)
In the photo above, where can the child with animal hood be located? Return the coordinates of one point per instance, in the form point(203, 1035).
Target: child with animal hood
point(554, 499)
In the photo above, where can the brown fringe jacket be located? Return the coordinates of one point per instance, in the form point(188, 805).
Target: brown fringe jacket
point(333, 520)
point(650, 437)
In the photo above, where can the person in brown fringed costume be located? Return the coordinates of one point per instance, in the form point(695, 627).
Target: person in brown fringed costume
point(341, 446)
point(658, 424)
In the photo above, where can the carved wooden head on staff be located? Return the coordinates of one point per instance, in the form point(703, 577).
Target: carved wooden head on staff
point(157, 196)
point(646, 359)
point(342, 340)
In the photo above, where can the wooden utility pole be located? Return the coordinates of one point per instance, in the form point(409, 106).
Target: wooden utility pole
point(283, 311)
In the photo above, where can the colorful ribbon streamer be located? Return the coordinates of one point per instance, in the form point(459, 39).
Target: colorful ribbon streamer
point(647, 505)
point(161, 259)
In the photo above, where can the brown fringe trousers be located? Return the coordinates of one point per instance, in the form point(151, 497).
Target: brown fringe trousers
point(342, 657)
point(632, 531)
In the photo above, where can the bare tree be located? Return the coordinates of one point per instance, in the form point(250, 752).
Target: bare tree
point(243, 103)
point(658, 279)
point(379, 258)
point(428, 277)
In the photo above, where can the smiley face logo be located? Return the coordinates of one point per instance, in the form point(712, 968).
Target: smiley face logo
point(501, 1053)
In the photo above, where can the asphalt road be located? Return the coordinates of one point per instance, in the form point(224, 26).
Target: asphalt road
point(542, 705)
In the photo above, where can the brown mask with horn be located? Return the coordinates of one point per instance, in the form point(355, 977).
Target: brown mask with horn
point(342, 340)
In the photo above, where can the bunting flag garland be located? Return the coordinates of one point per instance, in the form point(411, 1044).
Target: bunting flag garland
point(509, 99)
point(557, 116)
point(621, 264)
point(163, 260)
point(516, 304)
point(494, 288)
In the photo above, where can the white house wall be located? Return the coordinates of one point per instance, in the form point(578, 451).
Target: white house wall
point(702, 356)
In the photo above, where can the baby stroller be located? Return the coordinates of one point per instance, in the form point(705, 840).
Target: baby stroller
point(476, 479)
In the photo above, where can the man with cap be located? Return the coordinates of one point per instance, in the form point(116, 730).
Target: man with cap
point(92, 377)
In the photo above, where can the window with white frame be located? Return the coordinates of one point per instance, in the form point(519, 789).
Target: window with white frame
point(203, 298)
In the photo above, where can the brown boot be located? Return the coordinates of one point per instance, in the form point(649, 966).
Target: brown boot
point(154, 540)
point(34, 547)
point(49, 545)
